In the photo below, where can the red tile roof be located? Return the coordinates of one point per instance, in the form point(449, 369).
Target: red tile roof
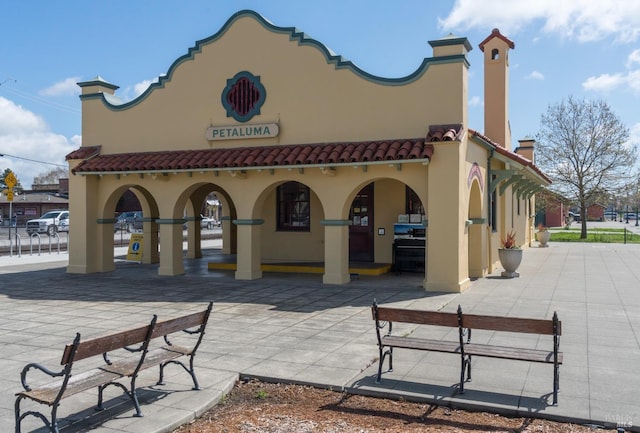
point(495, 33)
point(509, 154)
point(245, 157)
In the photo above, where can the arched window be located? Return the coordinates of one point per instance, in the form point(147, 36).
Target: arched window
point(495, 54)
point(293, 207)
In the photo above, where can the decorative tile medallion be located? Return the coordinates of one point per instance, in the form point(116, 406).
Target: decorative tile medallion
point(243, 96)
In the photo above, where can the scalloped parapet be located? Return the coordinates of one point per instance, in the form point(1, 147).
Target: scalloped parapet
point(446, 50)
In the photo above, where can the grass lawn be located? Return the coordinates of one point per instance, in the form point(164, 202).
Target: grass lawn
point(604, 235)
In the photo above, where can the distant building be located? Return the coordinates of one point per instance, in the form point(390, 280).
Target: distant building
point(28, 206)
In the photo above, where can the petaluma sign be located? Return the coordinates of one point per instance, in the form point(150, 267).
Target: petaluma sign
point(236, 132)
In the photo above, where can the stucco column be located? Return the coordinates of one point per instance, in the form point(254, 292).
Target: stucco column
point(150, 252)
point(104, 246)
point(194, 236)
point(447, 254)
point(249, 254)
point(86, 239)
point(228, 239)
point(336, 251)
point(170, 247)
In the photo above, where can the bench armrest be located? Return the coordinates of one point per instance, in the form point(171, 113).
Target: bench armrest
point(131, 349)
point(36, 366)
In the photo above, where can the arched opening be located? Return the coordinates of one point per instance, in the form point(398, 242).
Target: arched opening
point(476, 236)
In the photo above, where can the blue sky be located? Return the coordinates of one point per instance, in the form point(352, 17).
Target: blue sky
point(585, 48)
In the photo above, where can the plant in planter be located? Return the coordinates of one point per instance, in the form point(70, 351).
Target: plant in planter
point(543, 236)
point(510, 255)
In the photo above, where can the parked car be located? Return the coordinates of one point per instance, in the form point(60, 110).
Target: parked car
point(64, 223)
point(610, 216)
point(129, 221)
point(208, 222)
point(48, 223)
point(573, 216)
point(631, 216)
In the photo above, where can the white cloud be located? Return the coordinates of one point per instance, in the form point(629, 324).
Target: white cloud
point(605, 82)
point(26, 137)
point(535, 75)
point(14, 118)
point(634, 136)
point(633, 59)
point(633, 80)
point(132, 92)
point(138, 89)
point(583, 20)
point(65, 87)
point(608, 82)
point(475, 101)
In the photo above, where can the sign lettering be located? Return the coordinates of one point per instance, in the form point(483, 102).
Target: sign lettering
point(238, 132)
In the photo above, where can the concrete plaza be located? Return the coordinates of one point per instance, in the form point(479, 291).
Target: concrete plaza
point(293, 328)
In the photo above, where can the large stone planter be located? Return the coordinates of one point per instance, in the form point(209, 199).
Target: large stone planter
point(543, 238)
point(510, 260)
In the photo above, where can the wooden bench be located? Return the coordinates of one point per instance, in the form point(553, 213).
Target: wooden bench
point(385, 318)
point(125, 354)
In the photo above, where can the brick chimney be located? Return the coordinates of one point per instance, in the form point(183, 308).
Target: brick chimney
point(527, 148)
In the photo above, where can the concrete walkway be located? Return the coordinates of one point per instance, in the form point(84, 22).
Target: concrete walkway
point(293, 328)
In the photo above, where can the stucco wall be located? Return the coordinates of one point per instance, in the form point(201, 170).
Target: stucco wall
point(311, 98)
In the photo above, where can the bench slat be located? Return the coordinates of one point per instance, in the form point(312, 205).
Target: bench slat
point(178, 324)
point(514, 353)
point(163, 354)
point(419, 343)
point(100, 345)
point(510, 324)
point(420, 317)
point(78, 383)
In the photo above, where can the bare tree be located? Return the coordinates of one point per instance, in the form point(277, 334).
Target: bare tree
point(582, 146)
point(51, 176)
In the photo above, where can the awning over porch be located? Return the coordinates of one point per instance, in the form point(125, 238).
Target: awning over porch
point(523, 175)
point(245, 158)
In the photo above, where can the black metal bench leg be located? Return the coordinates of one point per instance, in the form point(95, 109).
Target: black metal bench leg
point(465, 365)
point(52, 425)
point(17, 414)
point(191, 370)
point(556, 384)
point(381, 360)
point(134, 397)
point(99, 406)
point(382, 356)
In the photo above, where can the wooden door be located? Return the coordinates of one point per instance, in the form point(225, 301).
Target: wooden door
point(361, 236)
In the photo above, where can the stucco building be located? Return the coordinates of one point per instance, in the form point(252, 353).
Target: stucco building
point(312, 158)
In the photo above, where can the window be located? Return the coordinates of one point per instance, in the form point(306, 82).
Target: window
point(494, 208)
point(293, 207)
point(413, 205)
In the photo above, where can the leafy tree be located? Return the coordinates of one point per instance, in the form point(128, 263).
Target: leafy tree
point(51, 176)
point(3, 186)
point(582, 147)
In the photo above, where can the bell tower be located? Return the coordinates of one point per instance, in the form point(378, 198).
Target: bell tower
point(496, 88)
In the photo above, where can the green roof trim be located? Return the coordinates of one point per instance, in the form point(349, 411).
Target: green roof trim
point(451, 41)
point(302, 39)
